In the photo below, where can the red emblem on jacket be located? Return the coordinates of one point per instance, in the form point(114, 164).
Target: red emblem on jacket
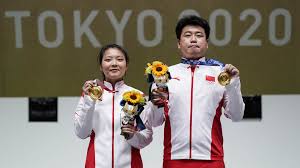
point(210, 78)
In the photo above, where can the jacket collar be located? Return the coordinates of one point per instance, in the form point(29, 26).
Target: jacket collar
point(188, 65)
point(116, 87)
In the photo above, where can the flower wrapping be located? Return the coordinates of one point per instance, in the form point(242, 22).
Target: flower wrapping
point(133, 104)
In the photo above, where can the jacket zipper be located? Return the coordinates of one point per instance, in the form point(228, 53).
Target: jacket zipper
point(113, 128)
point(191, 108)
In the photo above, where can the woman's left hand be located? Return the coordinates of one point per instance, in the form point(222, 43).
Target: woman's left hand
point(128, 130)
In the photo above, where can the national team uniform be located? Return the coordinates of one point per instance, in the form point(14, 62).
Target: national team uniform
point(101, 122)
point(193, 132)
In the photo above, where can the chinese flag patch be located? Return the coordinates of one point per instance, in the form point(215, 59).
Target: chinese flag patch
point(210, 78)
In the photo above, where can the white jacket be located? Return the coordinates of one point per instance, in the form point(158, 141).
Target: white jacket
point(100, 121)
point(192, 121)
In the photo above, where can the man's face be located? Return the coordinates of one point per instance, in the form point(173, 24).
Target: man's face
point(192, 43)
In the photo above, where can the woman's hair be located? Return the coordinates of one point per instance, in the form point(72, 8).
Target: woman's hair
point(116, 46)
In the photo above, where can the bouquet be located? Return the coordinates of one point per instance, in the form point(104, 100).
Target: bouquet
point(158, 73)
point(133, 104)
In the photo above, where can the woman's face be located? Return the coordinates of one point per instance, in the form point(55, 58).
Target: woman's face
point(113, 65)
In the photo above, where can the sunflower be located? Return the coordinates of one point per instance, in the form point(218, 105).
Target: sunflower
point(134, 97)
point(157, 68)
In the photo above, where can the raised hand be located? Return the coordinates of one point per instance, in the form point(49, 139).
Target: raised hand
point(232, 70)
point(87, 86)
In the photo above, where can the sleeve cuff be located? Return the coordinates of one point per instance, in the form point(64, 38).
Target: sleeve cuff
point(233, 84)
point(88, 100)
point(134, 140)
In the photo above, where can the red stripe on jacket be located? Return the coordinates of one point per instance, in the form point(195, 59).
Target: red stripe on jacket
point(217, 136)
point(136, 160)
point(167, 136)
point(90, 158)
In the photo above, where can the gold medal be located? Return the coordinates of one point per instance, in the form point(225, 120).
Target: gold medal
point(96, 93)
point(224, 78)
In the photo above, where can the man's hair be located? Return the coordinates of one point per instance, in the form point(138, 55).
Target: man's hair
point(192, 20)
point(116, 46)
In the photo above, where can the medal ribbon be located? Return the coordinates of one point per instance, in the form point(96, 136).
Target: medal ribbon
point(209, 62)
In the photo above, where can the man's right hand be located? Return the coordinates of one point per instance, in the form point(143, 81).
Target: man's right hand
point(159, 96)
